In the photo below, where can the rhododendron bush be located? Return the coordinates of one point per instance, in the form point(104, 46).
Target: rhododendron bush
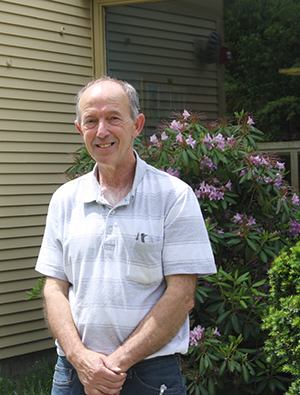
point(249, 209)
point(251, 214)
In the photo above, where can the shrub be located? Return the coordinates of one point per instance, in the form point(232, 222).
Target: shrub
point(249, 208)
point(250, 213)
point(283, 315)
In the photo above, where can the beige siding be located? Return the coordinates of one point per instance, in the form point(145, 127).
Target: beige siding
point(41, 70)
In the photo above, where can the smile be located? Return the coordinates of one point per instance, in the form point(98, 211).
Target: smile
point(104, 145)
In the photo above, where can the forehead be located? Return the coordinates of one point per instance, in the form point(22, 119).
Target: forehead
point(106, 94)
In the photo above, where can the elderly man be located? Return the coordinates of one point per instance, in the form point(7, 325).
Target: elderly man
point(122, 249)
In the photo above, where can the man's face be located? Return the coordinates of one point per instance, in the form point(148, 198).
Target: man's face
point(106, 125)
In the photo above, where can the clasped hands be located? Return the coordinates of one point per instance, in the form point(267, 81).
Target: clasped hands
point(99, 374)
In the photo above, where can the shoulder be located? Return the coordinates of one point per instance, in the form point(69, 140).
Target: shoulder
point(73, 188)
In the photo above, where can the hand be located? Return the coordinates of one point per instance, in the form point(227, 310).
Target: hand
point(97, 378)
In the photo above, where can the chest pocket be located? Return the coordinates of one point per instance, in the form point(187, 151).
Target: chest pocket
point(145, 263)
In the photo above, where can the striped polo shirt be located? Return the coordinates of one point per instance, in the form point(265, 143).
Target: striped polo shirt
point(115, 258)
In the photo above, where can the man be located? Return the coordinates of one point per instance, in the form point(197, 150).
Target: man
point(121, 252)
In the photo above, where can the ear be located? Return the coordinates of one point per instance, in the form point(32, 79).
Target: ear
point(139, 124)
point(78, 127)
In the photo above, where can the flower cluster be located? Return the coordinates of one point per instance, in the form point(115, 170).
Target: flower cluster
point(197, 334)
point(294, 228)
point(210, 191)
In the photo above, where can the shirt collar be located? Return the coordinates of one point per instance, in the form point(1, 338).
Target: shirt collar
point(91, 190)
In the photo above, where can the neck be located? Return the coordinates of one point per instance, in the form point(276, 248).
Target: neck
point(116, 184)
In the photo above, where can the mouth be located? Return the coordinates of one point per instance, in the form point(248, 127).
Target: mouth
point(104, 145)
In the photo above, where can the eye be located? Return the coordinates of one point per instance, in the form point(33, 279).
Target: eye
point(114, 119)
point(89, 123)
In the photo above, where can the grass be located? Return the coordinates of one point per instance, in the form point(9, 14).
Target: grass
point(38, 383)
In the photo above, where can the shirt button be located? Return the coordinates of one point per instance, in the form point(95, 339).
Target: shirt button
point(113, 212)
point(110, 229)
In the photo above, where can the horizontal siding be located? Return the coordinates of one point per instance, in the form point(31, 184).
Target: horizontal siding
point(41, 71)
point(154, 43)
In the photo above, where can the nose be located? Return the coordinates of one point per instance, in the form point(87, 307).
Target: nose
point(102, 130)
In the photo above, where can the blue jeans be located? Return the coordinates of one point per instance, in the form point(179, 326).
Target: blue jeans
point(147, 377)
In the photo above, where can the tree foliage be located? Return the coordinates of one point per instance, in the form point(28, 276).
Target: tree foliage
point(282, 319)
point(263, 37)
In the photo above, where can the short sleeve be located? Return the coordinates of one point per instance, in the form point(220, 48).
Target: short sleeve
point(187, 248)
point(50, 259)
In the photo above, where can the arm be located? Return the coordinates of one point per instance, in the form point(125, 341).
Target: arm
point(89, 365)
point(160, 325)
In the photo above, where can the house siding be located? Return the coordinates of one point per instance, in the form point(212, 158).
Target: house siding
point(154, 46)
point(45, 57)
point(47, 53)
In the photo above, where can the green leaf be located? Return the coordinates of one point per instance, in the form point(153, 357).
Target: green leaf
point(271, 384)
point(249, 174)
point(222, 368)
point(221, 157)
point(252, 142)
point(211, 386)
point(245, 373)
point(203, 390)
point(178, 161)
point(234, 241)
point(191, 154)
point(201, 365)
point(223, 317)
point(236, 324)
point(242, 278)
point(185, 158)
point(259, 283)
point(252, 245)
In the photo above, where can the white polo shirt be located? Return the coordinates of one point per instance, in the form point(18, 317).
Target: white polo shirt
point(115, 258)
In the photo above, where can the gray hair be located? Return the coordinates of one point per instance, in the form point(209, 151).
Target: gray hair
point(133, 97)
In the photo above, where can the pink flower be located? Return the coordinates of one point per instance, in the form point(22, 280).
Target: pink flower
point(278, 180)
point(251, 221)
point(197, 193)
point(280, 165)
point(190, 141)
point(266, 162)
point(209, 163)
point(164, 136)
point(176, 125)
point(219, 139)
point(228, 185)
point(295, 199)
point(153, 139)
point(173, 172)
point(208, 141)
point(216, 332)
point(238, 218)
point(231, 141)
point(179, 138)
point(294, 228)
point(250, 121)
point(195, 335)
point(186, 115)
point(256, 160)
point(268, 180)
